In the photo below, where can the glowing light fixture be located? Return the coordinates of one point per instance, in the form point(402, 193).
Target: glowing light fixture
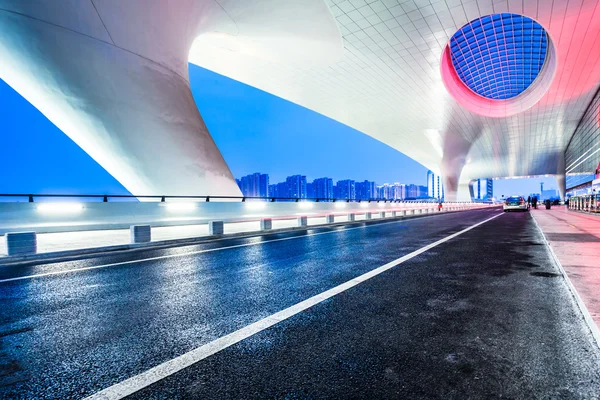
point(256, 205)
point(60, 208)
point(340, 205)
point(305, 206)
point(180, 207)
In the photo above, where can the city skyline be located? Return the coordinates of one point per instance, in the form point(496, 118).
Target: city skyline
point(297, 186)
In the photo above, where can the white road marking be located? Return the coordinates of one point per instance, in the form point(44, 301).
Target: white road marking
point(66, 271)
point(159, 372)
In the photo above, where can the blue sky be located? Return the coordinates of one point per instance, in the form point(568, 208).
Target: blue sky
point(259, 132)
point(524, 186)
point(255, 131)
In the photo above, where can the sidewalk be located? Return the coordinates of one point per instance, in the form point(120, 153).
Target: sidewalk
point(575, 239)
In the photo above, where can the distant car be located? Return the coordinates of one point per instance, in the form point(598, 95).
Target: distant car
point(516, 203)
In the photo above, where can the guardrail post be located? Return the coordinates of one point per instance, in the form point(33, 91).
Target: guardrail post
point(302, 221)
point(215, 228)
point(367, 215)
point(330, 219)
point(266, 224)
point(140, 233)
point(351, 217)
point(20, 243)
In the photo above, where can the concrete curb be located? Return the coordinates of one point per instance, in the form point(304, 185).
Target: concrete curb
point(595, 331)
point(79, 254)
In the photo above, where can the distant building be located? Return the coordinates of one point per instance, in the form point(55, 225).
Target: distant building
point(483, 189)
point(366, 190)
point(399, 191)
point(489, 192)
point(310, 191)
point(412, 192)
point(550, 194)
point(386, 192)
point(323, 188)
point(296, 186)
point(254, 185)
point(435, 187)
point(346, 189)
point(281, 190)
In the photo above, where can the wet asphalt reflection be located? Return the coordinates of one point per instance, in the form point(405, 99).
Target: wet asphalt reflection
point(480, 315)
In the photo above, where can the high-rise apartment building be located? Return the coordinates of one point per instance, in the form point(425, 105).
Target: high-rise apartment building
point(366, 190)
point(323, 188)
point(254, 185)
point(435, 187)
point(489, 192)
point(310, 190)
point(483, 189)
point(346, 189)
point(296, 185)
point(412, 191)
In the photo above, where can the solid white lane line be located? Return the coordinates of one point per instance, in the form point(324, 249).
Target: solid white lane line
point(155, 374)
point(191, 253)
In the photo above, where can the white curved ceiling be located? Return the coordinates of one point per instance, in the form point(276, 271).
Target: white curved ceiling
point(387, 83)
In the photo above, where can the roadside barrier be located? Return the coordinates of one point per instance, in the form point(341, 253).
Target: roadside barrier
point(25, 242)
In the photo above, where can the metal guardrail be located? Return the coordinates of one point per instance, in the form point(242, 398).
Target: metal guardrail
point(163, 198)
point(589, 203)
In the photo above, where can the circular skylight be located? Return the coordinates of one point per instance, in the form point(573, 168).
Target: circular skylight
point(499, 56)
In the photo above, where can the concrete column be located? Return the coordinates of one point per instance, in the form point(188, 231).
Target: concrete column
point(303, 221)
point(351, 217)
point(368, 215)
point(140, 234)
point(382, 214)
point(20, 243)
point(118, 90)
point(215, 228)
point(329, 219)
point(266, 224)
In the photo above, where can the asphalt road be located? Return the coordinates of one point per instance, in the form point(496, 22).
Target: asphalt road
point(482, 315)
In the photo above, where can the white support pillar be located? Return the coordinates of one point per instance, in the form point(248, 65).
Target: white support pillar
point(330, 219)
point(351, 217)
point(266, 224)
point(303, 221)
point(140, 234)
point(21, 243)
point(215, 228)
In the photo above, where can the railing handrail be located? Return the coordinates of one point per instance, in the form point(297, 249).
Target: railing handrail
point(207, 198)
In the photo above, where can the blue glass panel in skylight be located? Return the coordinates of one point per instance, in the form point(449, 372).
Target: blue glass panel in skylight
point(499, 56)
